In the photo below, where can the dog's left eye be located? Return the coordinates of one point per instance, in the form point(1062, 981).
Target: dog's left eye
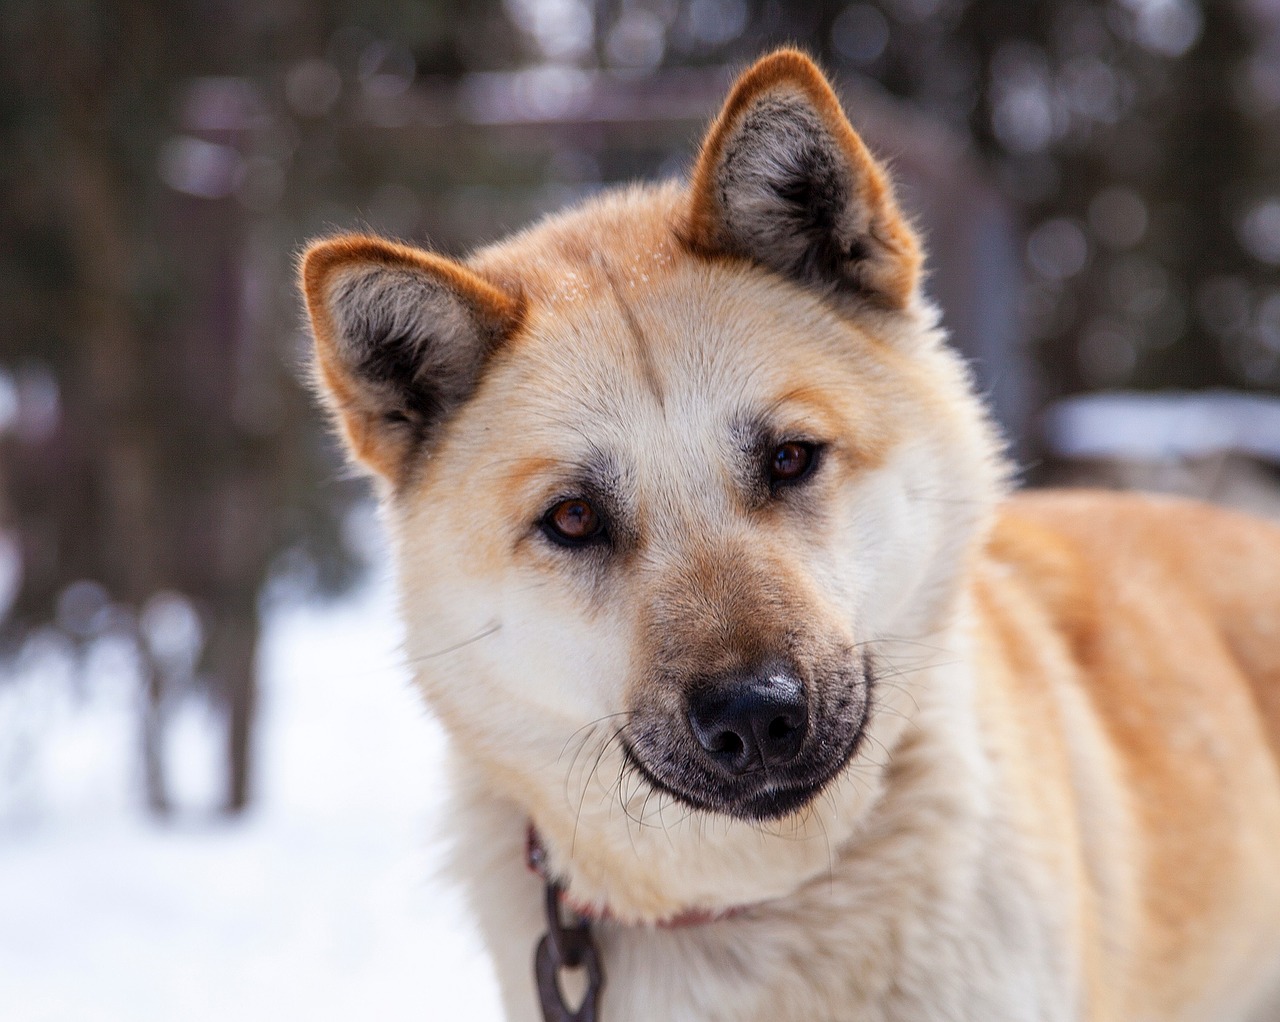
point(573, 522)
point(791, 462)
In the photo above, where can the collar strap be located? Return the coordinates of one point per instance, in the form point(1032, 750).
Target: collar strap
point(536, 860)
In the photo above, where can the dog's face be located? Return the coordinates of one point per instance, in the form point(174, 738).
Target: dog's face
point(669, 477)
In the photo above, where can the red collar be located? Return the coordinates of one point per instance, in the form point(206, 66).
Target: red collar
point(536, 860)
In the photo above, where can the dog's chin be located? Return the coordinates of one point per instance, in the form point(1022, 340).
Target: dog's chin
point(777, 803)
point(756, 797)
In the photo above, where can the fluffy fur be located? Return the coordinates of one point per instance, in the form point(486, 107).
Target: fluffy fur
point(1063, 800)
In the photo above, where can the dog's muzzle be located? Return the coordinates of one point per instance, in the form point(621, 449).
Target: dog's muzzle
point(757, 744)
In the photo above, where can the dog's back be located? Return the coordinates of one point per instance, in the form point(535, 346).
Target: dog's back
point(1138, 638)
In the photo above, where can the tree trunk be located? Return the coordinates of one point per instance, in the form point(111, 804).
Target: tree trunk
point(153, 772)
point(232, 659)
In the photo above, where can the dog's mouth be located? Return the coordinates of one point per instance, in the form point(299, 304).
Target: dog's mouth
point(764, 800)
point(670, 760)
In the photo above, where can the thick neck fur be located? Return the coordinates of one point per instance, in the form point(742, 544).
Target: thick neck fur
point(895, 905)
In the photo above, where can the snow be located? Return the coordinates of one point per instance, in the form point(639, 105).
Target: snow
point(320, 904)
point(1165, 425)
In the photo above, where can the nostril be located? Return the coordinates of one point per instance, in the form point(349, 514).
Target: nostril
point(758, 722)
point(728, 743)
point(780, 727)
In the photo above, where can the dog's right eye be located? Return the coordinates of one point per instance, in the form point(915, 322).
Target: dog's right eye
point(573, 522)
point(791, 463)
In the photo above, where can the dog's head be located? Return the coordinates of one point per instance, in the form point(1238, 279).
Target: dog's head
point(668, 476)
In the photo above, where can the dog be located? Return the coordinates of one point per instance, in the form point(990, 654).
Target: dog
point(711, 568)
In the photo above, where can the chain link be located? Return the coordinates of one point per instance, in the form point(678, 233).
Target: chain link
point(566, 947)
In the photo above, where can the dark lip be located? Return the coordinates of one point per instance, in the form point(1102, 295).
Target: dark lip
point(763, 805)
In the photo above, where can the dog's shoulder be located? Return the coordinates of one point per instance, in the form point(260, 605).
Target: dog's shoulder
point(1097, 559)
point(1170, 608)
point(1226, 562)
point(1144, 631)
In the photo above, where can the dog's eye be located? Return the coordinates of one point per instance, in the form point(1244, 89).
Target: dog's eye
point(791, 462)
point(572, 522)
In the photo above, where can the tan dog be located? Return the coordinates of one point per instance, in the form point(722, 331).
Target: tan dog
point(708, 567)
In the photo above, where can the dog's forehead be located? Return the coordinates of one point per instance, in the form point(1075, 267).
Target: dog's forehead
point(683, 333)
point(634, 356)
point(620, 314)
point(638, 356)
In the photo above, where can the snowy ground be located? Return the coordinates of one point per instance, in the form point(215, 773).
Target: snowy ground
point(320, 905)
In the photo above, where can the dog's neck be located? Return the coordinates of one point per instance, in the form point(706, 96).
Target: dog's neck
point(919, 844)
point(536, 860)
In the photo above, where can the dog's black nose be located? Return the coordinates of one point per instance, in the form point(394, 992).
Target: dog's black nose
point(754, 723)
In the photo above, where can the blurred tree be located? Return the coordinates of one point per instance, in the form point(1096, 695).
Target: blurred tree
point(1139, 141)
point(1128, 135)
point(160, 456)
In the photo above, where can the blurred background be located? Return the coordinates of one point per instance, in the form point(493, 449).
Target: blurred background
point(216, 791)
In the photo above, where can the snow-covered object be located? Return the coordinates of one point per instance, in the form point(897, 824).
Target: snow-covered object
point(1164, 426)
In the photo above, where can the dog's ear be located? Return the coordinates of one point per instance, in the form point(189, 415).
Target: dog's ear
point(783, 179)
point(401, 336)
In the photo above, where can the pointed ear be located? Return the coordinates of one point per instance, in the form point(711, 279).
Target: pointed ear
point(784, 179)
point(401, 336)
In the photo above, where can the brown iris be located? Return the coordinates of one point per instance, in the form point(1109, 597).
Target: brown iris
point(573, 521)
point(790, 462)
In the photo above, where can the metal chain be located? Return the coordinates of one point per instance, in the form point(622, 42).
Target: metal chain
point(566, 947)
